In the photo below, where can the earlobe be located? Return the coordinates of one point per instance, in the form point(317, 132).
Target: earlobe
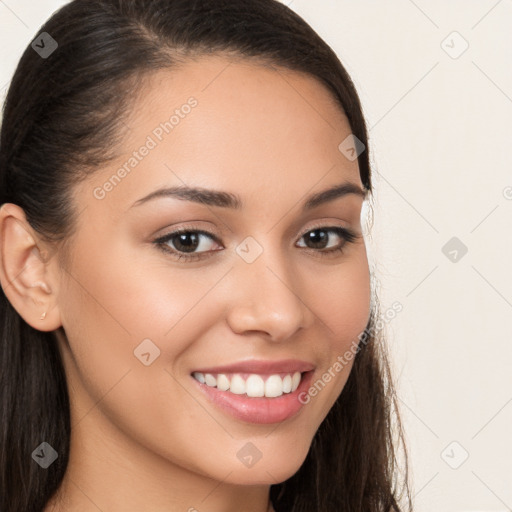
point(24, 272)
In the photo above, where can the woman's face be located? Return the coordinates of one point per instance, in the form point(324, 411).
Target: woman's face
point(256, 287)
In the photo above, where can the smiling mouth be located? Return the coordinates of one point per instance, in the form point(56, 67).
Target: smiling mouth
point(252, 384)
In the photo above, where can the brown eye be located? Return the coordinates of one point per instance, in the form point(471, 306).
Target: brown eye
point(183, 243)
point(319, 238)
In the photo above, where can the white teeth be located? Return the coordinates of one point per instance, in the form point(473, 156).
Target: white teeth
point(222, 382)
point(287, 384)
point(237, 385)
point(210, 380)
point(199, 376)
point(295, 381)
point(253, 386)
point(274, 386)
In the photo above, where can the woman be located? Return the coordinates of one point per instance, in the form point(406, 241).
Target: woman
point(187, 316)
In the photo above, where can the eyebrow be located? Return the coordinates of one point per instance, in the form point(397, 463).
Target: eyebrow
point(223, 199)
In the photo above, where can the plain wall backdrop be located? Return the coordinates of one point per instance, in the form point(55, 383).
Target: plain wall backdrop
point(435, 80)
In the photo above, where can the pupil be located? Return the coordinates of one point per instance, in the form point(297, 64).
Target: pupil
point(319, 238)
point(183, 237)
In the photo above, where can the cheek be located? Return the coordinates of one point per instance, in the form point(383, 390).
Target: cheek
point(341, 301)
point(342, 305)
point(123, 297)
point(108, 309)
point(351, 311)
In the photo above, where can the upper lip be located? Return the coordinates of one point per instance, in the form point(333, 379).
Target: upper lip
point(260, 366)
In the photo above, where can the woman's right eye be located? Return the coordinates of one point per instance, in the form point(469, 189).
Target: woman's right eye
point(186, 241)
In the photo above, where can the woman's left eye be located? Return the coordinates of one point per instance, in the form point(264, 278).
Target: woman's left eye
point(187, 241)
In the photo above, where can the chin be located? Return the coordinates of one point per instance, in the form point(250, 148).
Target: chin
point(269, 470)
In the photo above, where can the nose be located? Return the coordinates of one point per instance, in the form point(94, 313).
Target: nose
point(266, 298)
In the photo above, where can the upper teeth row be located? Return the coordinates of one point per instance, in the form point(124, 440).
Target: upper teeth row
point(253, 386)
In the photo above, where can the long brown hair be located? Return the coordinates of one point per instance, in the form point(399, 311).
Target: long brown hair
point(62, 119)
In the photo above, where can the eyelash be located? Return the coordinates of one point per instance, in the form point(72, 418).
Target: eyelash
point(346, 234)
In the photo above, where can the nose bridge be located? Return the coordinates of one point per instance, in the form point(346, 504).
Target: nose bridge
point(266, 298)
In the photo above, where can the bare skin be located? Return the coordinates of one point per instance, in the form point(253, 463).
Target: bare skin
point(146, 437)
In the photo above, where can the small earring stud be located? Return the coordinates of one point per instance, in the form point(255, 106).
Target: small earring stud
point(43, 316)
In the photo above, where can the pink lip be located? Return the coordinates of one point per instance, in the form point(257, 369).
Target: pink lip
point(261, 409)
point(283, 366)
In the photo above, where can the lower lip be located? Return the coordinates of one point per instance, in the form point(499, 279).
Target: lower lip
point(258, 409)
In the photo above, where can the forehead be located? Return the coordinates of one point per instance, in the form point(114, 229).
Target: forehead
point(252, 129)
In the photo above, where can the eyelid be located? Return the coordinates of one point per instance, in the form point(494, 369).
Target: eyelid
point(193, 227)
point(325, 224)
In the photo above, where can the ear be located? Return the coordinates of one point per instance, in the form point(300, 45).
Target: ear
point(24, 274)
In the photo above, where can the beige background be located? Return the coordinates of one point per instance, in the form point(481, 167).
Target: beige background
point(440, 135)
